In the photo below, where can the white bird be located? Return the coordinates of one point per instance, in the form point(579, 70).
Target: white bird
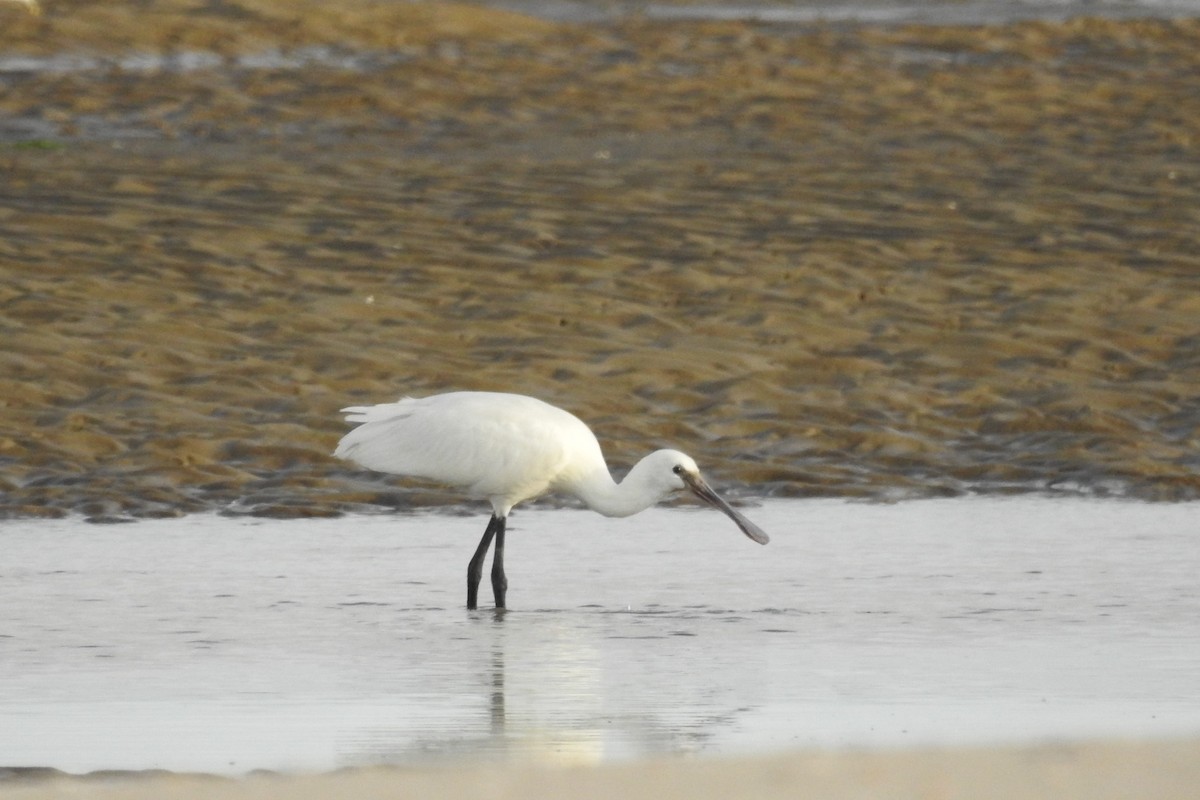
point(508, 448)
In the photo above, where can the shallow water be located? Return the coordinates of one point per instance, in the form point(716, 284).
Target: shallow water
point(226, 645)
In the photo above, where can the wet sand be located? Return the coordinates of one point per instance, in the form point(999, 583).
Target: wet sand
point(1098, 771)
point(826, 260)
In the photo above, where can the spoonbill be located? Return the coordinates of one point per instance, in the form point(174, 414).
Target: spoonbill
point(509, 448)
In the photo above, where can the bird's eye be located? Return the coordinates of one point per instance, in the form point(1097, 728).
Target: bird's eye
point(678, 469)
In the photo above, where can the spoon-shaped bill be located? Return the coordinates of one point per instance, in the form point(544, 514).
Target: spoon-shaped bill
point(705, 492)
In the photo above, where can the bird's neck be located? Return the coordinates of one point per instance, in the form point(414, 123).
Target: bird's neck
point(605, 496)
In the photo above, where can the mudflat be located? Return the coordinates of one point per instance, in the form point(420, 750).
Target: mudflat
point(824, 260)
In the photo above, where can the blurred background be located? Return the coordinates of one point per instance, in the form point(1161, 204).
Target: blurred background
point(875, 250)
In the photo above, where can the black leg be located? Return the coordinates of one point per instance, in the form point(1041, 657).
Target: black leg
point(475, 568)
point(499, 581)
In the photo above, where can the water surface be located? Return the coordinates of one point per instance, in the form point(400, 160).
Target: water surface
point(226, 645)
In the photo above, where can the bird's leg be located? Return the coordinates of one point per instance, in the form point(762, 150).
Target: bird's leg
point(499, 581)
point(475, 568)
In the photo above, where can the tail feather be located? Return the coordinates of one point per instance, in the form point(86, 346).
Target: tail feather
point(377, 413)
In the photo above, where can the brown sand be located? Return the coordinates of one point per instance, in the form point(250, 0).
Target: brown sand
point(1143, 771)
point(859, 261)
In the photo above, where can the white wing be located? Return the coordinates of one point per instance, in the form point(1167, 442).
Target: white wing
point(492, 444)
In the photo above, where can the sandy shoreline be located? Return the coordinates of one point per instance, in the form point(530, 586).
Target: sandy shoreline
point(1167, 770)
point(872, 262)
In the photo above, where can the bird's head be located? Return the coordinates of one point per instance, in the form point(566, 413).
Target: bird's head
point(675, 470)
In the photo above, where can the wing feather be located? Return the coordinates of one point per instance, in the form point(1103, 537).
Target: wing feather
point(491, 444)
